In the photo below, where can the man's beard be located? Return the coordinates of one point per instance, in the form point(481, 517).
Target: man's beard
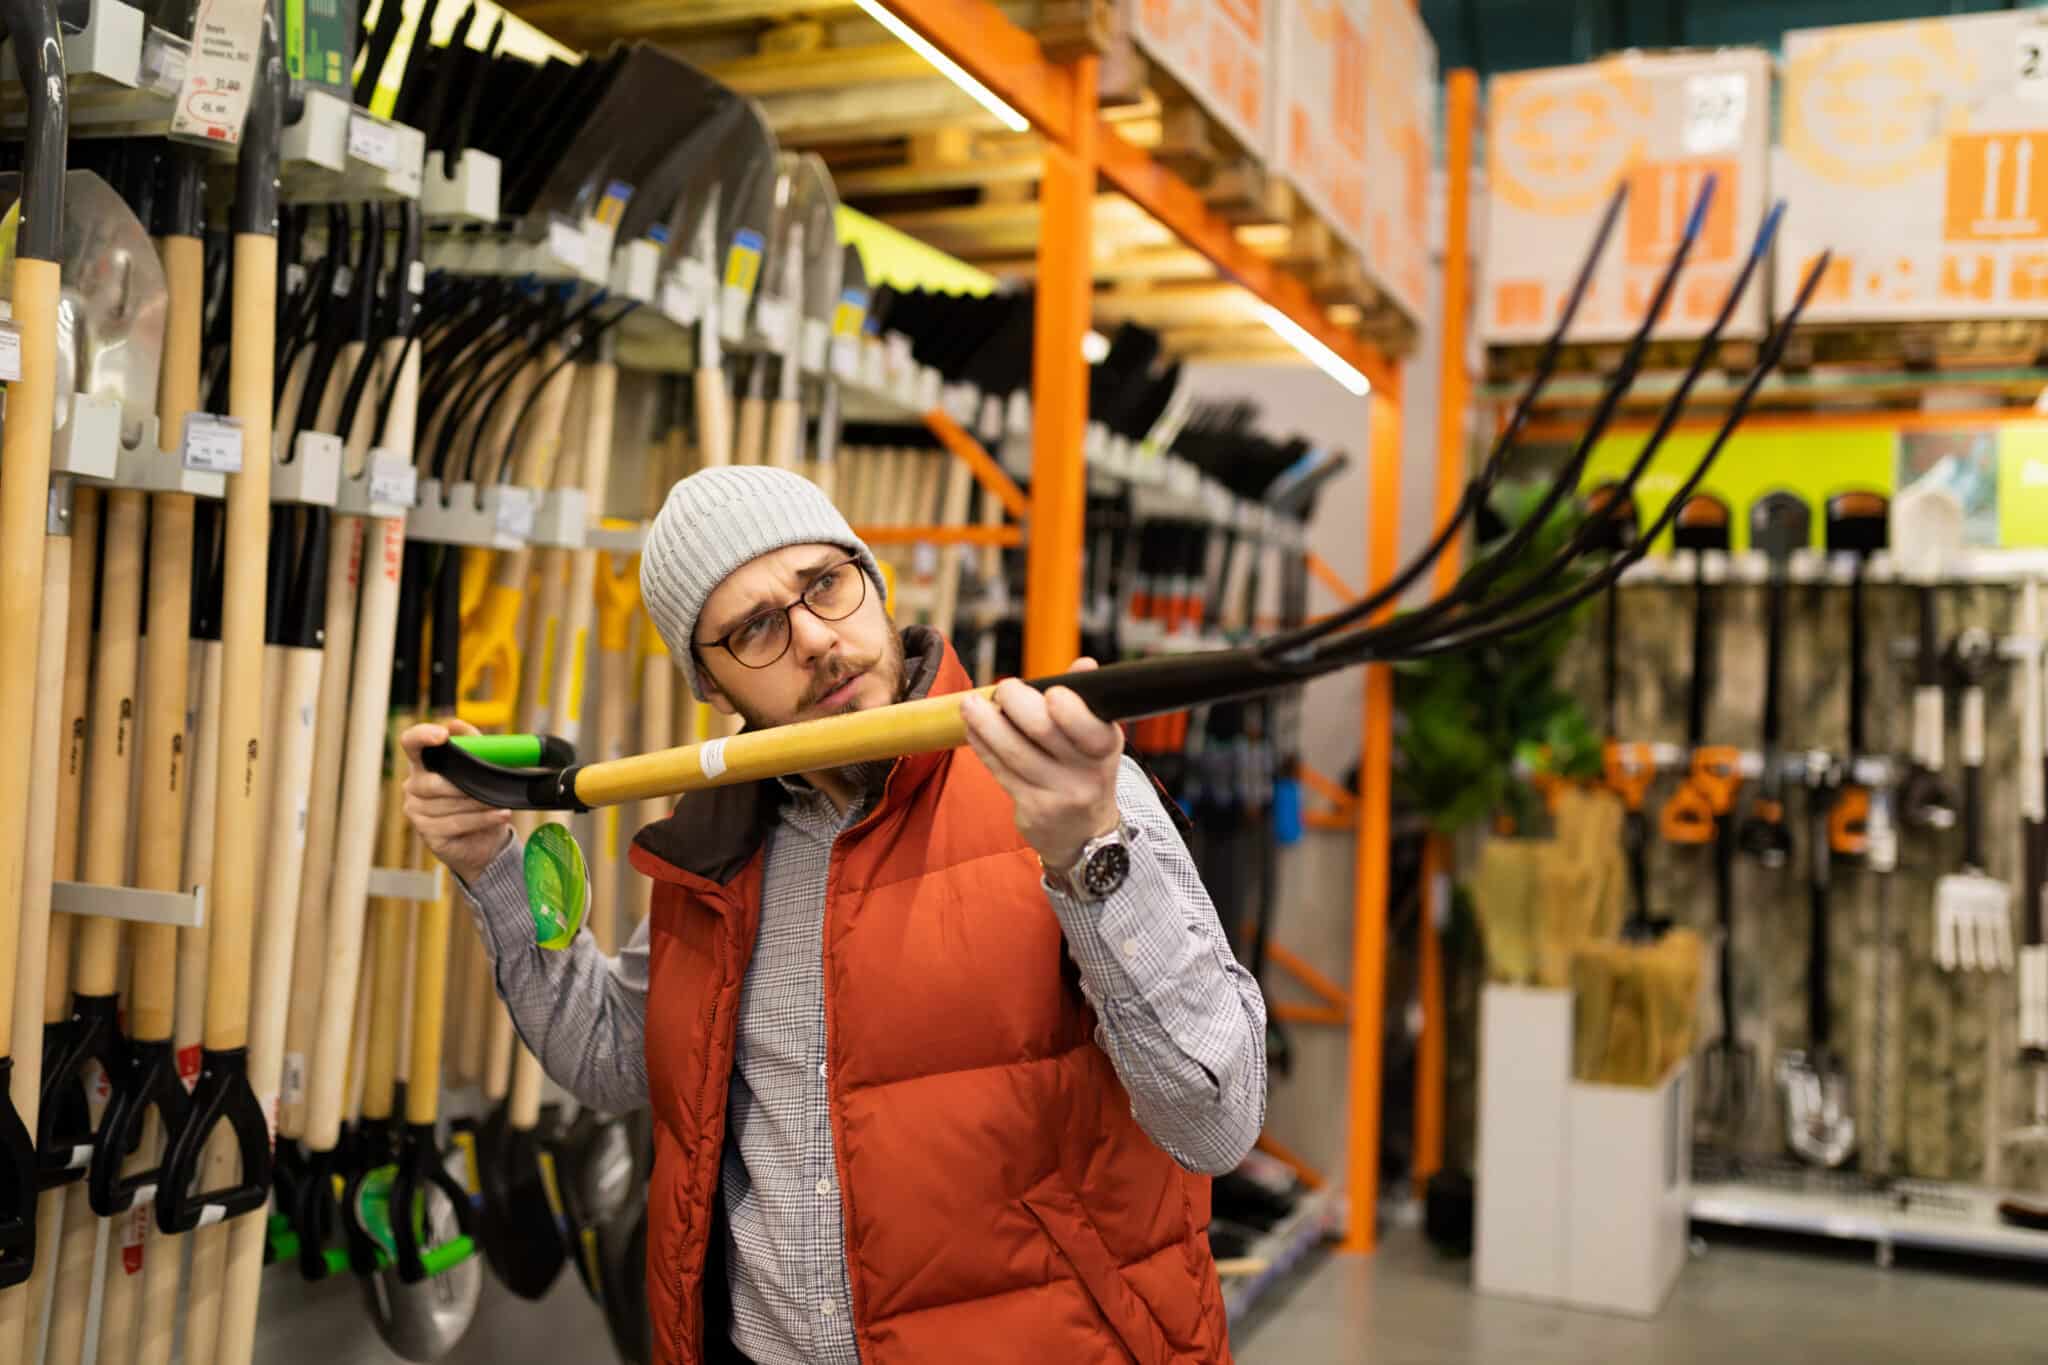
point(866, 778)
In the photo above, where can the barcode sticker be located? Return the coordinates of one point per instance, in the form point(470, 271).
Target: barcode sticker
point(294, 1077)
point(211, 1214)
point(372, 141)
point(213, 445)
point(10, 352)
point(1715, 107)
point(711, 757)
point(771, 319)
point(394, 483)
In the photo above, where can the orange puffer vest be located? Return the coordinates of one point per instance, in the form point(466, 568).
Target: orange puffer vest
point(1000, 1203)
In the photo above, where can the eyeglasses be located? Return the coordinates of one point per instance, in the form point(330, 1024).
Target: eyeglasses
point(763, 638)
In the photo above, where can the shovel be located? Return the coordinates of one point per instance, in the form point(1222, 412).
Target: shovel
point(1972, 910)
point(817, 207)
point(2033, 802)
point(772, 321)
point(1780, 523)
point(1629, 769)
point(1927, 530)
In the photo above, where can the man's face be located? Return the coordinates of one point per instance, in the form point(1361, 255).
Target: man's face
point(829, 667)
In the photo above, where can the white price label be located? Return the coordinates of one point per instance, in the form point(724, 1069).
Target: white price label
point(372, 141)
point(515, 513)
point(679, 302)
point(416, 278)
point(1715, 107)
point(711, 757)
point(697, 277)
point(211, 1214)
point(213, 445)
point(220, 73)
point(2030, 63)
point(846, 358)
point(393, 480)
point(771, 319)
point(10, 352)
point(294, 1077)
point(565, 243)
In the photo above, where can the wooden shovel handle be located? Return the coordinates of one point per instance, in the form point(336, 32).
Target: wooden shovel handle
point(749, 447)
point(110, 762)
point(785, 433)
point(714, 420)
point(387, 928)
point(71, 775)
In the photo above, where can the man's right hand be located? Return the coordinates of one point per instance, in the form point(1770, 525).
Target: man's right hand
point(462, 831)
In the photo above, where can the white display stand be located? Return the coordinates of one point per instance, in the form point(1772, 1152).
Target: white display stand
point(1582, 1189)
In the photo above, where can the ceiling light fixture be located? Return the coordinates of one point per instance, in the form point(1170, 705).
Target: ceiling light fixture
point(947, 67)
point(1326, 360)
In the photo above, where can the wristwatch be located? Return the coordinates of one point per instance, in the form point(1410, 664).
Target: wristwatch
point(1097, 873)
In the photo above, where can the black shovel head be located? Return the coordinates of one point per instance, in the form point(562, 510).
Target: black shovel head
point(1859, 522)
point(1617, 511)
point(521, 1223)
point(1779, 523)
point(604, 1164)
point(1703, 523)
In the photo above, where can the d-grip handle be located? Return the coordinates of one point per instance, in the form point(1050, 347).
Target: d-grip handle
point(419, 1164)
point(148, 1079)
point(511, 772)
point(315, 1217)
point(64, 1133)
point(18, 1187)
point(221, 1096)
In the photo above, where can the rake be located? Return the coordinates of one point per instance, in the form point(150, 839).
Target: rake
point(540, 772)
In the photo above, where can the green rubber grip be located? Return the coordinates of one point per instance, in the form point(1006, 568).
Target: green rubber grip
point(507, 751)
point(442, 1259)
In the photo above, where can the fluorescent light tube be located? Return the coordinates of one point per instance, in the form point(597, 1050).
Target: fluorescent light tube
point(1326, 360)
point(945, 65)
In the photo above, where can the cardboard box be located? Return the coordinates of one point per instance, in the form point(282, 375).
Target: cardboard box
point(319, 45)
point(1400, 81)
point(1219, 51)
point(1557, 141)
point(1918, 153)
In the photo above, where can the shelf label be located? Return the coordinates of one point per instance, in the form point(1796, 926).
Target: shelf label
point(515, 513)
point(220, 73)
point(742, 269)
point(394, 483)
point(565, 243)
point(10, 352)
point(372, 141)
point(213, 445)
point(771, 319)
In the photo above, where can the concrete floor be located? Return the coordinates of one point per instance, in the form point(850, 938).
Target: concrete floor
point(1735, 1305)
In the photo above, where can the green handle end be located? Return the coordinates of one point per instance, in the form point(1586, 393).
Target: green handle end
point(507, 751)
point(442, 1259)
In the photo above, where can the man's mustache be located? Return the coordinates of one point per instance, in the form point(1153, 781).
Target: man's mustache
point(825, 682)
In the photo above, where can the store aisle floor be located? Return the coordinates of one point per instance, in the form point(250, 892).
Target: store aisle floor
point(1737, 1305)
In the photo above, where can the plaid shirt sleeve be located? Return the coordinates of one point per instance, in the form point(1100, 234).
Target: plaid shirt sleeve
point(1183, 1023)
point(582, 1014)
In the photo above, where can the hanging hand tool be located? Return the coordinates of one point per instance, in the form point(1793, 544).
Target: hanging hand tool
point(1628, 769)
point(1780, 524)
point(2032, 1032)
point(1926, 531)
point(1856, 526)
point(1818, 1124)
point(1973, 910)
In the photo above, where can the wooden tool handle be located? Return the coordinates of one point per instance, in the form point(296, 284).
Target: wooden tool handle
point(615, 689)
point(500, 1040)
point(750, 445)
point(657, 731)
point(110, 760)
point(785, 433)
point(355, 826)
point(522, 1111)
point(189, 1019)
point(309, 947)
point(71, 774)
point(387, 928)
point(238, 824)
point(714, 419)
point(293, 737)
point(160, 835)
point(430, 1007)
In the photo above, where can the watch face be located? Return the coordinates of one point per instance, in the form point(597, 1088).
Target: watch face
point(1105, 870)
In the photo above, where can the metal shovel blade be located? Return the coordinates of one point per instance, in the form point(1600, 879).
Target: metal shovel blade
point(1927, 530)
point(746, 213)
point(424, 1321)
point(114, 300)
point(679, 177)
point(1973, 923)
point(1818, 1125)
point(815, 204)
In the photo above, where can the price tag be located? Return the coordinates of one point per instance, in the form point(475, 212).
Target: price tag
point(2030, 63)
point(294, 1077)
point(565, 243)
point(816, 346)
point(1715, 106)
point(846, 359)
point(372, 141)
point(394, 483)
point(10, 352)
point(213, 445)
point(515, 513)
point(679, 302)
point(771, 319)
point(220, 73)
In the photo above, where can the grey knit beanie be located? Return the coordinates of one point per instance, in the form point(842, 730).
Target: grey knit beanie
point(715, 521)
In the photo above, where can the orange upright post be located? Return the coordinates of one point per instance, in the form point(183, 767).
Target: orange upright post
point(1375, 810)
point(1454, 395)
point(1059, 387)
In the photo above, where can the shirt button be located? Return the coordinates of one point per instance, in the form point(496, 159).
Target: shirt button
point(1130, 948)
point(824, 1187)
point(827, 1310)
point(821, 1071)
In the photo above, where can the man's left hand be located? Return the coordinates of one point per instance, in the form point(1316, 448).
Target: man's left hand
point(1056, 758)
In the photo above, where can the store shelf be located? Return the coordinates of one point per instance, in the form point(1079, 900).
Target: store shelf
point(1815, 566)
point(1922, 1215)
point(1276, 1254)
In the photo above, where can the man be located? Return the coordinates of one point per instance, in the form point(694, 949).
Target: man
point(941, 1051)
